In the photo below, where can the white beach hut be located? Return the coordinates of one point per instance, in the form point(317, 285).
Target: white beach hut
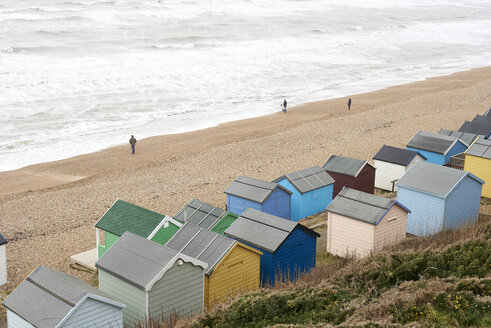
point(3, 261)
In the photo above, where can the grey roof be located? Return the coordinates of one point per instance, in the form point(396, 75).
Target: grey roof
point(481, 148)
point(361, 206)
point(434, 142)
point(466, 137)
point(46, 296)
point(202, 214)
point(201, 243)
point(344, 165)
point(308, 179)
point(476, 127)
point(262, 230)
point(432, 178)
point(396, 155)
point(482, 119)
point(487, 113)
point(139, 261)
point(252, 189)
point(3, 241)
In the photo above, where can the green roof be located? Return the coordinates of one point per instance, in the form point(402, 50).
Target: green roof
point(123, 216)
point(224, 223)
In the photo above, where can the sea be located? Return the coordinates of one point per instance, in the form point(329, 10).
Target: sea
point(80, 76)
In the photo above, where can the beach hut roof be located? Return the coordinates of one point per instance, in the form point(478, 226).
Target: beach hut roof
point(345, 165)
point(3, 241)
point(362, 206)
point(224, 222)
point(434, 142)
point(399, 156)
point(201, 243)
point(123, 216)
point(263, 230)
point(141, 262)
point(200, 213)
point(308, 179)
point(432, 178)
point(488, 112)
point(476, 127)
point(481, 148)
point(465, 137)
point(252, 189)
point(46, 297)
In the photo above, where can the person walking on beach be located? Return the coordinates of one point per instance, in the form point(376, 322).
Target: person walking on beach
point(349, 104)
point(283, 109)
point(132, 143)
point(284, 105)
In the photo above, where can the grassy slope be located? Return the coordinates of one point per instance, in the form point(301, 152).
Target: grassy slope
point(439, 281)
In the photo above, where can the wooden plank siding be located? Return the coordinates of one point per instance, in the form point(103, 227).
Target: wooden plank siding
point(3, 265)
point(386, 173)
point(349, 237)
point(179, 291)
point(365, 181)
point(278, 203)
point(121, 291)
point(481, 168)
point(463, 203)
point(427, 211)
point(14, 321)
point(309, 203)
point(237, 205)
point(94, 313)
point(109, 240)
point(391, 228)
point(238, 272)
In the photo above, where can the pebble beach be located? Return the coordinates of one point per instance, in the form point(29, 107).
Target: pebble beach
point(48, 210)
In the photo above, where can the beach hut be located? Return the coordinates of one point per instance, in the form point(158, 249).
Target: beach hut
point(487, 113)
point(478, 162)
point(437, 148)
point(350, 172)
point(288, 247)
point(359, 223)
point(391, 164)
point(465, 137)
point(224, 222)
point(123, 216)
point(311, 191)
point(439, 198)
point(49, 298)
point(200, 213)
point(268, 197)
point(3, 260)
point(477, 127)
point(154, 281)
point(232, 267)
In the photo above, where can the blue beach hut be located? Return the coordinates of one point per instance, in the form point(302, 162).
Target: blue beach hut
point(311, 190)
point(289, 248)
point(437, 148)
point(268, 197)
point(439, 198)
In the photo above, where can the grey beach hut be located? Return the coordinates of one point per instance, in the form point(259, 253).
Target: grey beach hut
point(154, 281)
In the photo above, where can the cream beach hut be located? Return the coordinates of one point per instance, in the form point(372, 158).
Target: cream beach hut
point(360, 223)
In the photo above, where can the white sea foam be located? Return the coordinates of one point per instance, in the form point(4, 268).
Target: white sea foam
point(79, 76)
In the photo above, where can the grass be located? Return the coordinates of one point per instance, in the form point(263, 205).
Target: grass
point(442, 280)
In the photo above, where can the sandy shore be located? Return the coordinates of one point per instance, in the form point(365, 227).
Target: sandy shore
point(47, 211)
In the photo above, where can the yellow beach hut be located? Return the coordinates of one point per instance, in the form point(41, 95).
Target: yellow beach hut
point(232, 266)
point(478, 162)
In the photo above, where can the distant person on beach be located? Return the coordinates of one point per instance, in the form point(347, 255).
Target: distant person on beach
point(283, 109)
point(349, 104)
point(284, 105)
point(132, 143)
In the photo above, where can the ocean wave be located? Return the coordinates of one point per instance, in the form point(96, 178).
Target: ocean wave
point(23, 20)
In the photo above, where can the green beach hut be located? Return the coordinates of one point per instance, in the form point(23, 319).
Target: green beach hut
point(123, 216)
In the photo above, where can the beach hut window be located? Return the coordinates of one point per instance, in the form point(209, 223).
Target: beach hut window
point(392, 219)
